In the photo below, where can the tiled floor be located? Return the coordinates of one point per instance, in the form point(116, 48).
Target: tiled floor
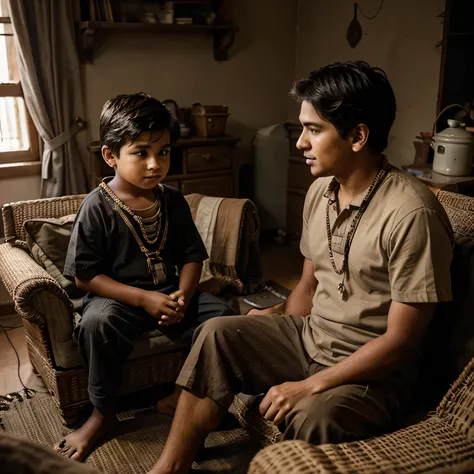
point(280, 263)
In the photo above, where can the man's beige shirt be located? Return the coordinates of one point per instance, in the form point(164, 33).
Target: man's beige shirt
point(401, 251)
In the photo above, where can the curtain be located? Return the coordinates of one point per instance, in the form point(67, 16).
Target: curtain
point(51, 81)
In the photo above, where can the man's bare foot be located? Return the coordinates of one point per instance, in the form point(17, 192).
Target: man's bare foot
point(79, 443)
point(168, 404)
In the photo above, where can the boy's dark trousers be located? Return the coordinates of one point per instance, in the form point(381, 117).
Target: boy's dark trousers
point(108, 329)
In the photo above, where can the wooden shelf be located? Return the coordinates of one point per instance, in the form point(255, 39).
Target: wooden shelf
point(223, 35)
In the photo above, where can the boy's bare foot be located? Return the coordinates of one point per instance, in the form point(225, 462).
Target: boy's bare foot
point(168, 404)
point(79, 443)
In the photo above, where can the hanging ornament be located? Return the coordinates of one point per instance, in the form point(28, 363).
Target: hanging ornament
point(354, 32)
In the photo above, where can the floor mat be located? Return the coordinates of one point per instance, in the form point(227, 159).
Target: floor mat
point(135, 445)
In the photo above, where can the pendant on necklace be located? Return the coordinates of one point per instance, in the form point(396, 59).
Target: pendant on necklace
point(341, 288)
point(157, 270)
point(160, 272)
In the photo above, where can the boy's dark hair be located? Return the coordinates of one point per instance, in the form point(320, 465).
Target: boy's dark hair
point(126, 116)
point(350, 93)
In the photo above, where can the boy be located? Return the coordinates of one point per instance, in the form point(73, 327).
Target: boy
point(339, 365)
point(130, 236)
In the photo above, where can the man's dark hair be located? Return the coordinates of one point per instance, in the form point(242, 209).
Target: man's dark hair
point(350, 93)
point(126, 116)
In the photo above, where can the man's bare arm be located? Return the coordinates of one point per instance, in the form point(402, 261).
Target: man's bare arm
point(407, 327)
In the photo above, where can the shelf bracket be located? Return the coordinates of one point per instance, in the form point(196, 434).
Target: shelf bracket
point(87, 40)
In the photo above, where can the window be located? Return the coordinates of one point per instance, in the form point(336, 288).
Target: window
point(18, 138)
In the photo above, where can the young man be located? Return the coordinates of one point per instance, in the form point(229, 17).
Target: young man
point(136, 251)
point(340, 364)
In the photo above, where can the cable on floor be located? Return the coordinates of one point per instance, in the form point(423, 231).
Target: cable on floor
point(27, 392)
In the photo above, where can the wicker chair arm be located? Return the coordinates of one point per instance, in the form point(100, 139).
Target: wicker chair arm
point(289, 457)
point(429, 446)
point(23, 278)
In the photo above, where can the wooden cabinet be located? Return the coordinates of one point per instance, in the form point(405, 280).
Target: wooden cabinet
point(207, 158)
point(198, 165)
point(220, 186)
point(299, 181)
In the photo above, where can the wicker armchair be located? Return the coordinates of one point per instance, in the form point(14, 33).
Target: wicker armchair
point(48, 313)
point(443, 443)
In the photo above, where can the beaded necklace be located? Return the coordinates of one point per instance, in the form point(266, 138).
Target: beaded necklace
point(149, 218)
point(155, 264)
point(138, 219)
point(380, 176)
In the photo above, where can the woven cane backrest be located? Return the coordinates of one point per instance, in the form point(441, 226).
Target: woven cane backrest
point(457, 407)
point(15, 214)
point(460, 210)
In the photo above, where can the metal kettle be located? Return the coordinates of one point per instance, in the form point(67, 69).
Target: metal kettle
point(453, 149)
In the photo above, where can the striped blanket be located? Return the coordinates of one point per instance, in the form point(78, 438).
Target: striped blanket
point(230, 230)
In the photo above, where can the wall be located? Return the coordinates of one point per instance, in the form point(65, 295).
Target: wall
point(254, 81)
point(18, 189)
point(12, 190)
point(401, 40)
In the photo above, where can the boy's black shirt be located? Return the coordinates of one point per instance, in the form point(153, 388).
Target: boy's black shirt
point(101, 243)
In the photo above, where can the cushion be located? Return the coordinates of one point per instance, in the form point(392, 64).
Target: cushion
point(48, 240)
point(155, 342)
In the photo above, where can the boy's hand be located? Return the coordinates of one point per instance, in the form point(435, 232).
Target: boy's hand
point(179, 299)
point(160, 305)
